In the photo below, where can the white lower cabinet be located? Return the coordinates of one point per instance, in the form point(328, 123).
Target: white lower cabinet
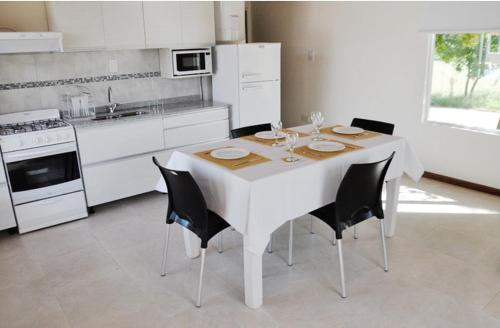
point(7, 219)
point(194, 134)
point(117, 158)
point(109, 181)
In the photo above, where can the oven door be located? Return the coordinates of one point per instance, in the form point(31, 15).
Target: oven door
point(192, 62)
point(43, 172)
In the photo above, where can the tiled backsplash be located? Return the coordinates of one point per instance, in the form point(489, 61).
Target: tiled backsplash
point(36, 81)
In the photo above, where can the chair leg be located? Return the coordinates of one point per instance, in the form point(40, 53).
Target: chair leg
point(341, 266)
point(165, 250)
point(219, 246)
point(334, 239)
point(270, 245)
point(290, 244)
point(311, 220)
point(384, 249)
point(355, 232)
point(200, 282)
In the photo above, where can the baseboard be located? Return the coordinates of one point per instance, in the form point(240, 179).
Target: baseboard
point(462, 183)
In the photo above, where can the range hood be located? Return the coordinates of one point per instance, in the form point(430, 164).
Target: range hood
point(23, 42)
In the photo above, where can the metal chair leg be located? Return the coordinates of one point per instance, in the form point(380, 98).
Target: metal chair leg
point(334, 239)
point(165, 250)
point(200, 282)
point(290, 244)
point(311, 220)
point(384, 249)
point(341, 265)
point(270, 245)
point(219, 246)
point(355, 232)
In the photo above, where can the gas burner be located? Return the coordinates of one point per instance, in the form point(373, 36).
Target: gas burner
point(25, 127)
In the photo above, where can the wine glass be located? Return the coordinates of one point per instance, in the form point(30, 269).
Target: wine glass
point(317, 121)
point(291, 141)
point(276, 128)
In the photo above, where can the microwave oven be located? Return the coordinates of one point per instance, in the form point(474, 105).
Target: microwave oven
point(176, 63)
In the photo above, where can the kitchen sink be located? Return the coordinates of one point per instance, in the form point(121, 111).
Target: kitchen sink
point(109, 116)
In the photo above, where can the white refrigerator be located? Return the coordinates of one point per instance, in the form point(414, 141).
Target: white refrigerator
point(247, 77)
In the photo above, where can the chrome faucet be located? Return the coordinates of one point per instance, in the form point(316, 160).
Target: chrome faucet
point(112, 106)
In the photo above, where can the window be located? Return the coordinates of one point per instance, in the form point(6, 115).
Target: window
point(464, 85)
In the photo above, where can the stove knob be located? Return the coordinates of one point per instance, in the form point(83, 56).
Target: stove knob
point(21, 143)
point(38, 140)
point(59, 137)
point(47, 139)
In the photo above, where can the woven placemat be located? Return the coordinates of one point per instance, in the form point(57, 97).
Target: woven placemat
point(269, 142)
point(233, 164)
point(320, 155)
point(365, 135)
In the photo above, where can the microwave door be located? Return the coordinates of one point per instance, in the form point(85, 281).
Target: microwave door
point(190, 63)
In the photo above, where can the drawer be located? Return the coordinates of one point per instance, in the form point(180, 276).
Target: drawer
point(193, 134)
point(51, 211)
point(106, 182)
point(7, 219)
point(200, 117)
point(112, 141)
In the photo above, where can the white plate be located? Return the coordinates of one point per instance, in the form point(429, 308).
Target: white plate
point(348, 130)
point(269, 135)
point(326, 146)
point(229, 153)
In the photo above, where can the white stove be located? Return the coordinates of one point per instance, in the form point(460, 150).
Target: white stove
point(33, 129)
point(42, 168)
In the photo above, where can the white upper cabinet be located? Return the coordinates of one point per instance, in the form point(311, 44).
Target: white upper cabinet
point(123, 25)
point(96, 25)
point(198, 26)
point(162, 24)
point(81, 23)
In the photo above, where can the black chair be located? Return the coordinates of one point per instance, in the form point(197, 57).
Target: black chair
point(358, 199)
point(377, 126)
point(249, 130)
point(187, 207)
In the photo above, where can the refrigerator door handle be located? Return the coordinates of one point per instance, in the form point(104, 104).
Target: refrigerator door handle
point(250, 74)
point(252, 87)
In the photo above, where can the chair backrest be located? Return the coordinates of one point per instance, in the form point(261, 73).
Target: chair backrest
point(377, 126)
point(359, 194)
point(249, 130)
point(186, 204)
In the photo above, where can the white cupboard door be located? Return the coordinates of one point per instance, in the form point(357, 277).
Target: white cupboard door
point(260, 103)
point(123, 24)
point(162, 24)
point(259, 62)
point(198, 27)
point(109, 181)
point(122, 139)
point(7, 219)
point(80, 22)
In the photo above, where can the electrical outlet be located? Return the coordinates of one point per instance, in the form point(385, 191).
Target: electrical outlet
point(113, 66)
point(311, 55)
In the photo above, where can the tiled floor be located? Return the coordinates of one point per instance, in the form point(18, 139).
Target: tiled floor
point(104, 271)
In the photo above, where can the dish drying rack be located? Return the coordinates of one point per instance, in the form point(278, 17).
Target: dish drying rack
point(78, 104)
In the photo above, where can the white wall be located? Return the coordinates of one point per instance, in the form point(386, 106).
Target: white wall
point(371, 63)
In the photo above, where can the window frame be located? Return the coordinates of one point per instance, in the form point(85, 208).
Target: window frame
point(428, 93)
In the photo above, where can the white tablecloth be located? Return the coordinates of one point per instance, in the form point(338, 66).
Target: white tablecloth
point(258, 199)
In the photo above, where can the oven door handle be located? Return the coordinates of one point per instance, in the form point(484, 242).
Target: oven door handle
point(39, 152)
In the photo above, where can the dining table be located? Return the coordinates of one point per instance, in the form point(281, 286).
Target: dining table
point(257, 198)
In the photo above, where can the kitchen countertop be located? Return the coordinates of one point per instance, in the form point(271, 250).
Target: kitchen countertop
point(152, 110)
